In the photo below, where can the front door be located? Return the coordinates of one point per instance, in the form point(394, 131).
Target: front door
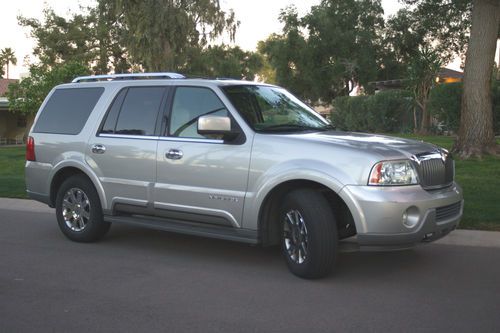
point(200, 178)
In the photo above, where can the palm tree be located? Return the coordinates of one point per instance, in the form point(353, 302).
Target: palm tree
point(7, 57)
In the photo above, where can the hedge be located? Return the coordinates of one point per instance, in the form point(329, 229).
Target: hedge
point(392, 110)
point(445, 100)
point(386, 111)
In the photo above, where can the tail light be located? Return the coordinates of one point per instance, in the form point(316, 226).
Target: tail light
point(30, 149)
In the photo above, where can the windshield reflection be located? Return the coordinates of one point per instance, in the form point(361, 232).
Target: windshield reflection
point(273, 109)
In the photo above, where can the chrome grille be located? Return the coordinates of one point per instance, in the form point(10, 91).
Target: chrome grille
point(446, 212)
point(435, 169)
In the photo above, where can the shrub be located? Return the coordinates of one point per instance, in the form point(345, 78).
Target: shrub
point(386, 111)
point(445, 103)
point(392, 110)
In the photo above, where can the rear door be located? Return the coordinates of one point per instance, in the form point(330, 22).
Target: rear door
point(200, 178)
point(123, 153)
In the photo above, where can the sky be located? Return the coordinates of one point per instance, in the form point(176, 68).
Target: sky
point(259, 18)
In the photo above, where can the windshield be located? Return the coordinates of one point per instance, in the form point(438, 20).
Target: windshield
point(273, 109)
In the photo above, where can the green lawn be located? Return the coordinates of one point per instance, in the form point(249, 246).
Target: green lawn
point(480, 180)
point(12, 172)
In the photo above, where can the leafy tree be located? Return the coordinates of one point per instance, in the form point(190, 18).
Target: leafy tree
point(160, 33)
point(440, 24)
point(223, 61)
point(59, 39)
point(287, 53)
point(109, 36)
point(345, 43)
point(475, 24)
point(328, 51)
point(90, 37)
point(422, 38)
point(7, 57)
point(27, 95)
point(422, 71)
point(157, 35)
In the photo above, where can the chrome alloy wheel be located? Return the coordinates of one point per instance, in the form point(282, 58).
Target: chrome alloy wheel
point(295, 236)
point(76, 209)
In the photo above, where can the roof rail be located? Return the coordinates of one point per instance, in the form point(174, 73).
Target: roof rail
point(128, 76)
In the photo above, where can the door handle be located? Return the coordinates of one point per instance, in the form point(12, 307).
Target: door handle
point(174, 154)
point(98, 149)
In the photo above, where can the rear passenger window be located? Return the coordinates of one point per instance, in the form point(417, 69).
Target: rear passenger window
point(139, 111)
point(67, 110)
point(134, 111)
point(109, 124)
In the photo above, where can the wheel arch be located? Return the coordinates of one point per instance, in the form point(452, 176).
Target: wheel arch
point(63, 172)
point(268, 225)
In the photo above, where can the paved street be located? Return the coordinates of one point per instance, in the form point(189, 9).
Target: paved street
point(145, 280)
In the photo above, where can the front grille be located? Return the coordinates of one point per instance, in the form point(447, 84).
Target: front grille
point(435, 170)
point(446, 212)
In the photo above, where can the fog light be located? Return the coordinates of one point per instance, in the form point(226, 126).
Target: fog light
point(410, 217)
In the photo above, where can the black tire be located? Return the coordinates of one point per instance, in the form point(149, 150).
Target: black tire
point(79, 210)
point(317, 252)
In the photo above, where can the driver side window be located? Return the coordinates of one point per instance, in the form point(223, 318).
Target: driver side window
point(190, 103)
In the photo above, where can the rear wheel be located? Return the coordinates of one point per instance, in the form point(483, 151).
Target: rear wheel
point(79, 211)
point(309, 234)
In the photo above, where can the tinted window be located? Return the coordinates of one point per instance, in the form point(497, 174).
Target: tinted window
point(109, 124)
point(67, 110)
point(139, 111)
point(189, 104)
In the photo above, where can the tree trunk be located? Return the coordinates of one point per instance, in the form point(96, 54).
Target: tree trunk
point(498, 63)
point(476, 136)
point(425, 122)
point(425, 125)
point(415, 123)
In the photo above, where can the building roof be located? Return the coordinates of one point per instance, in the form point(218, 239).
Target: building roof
point(444, 73)
point(4, 85)
point(450, 73)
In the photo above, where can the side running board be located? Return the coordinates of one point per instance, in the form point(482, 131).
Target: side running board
point(188, 228)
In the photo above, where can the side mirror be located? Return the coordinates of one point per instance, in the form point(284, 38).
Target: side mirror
point(214, 125)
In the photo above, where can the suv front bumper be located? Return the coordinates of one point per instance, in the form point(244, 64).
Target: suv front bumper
point(403, 216)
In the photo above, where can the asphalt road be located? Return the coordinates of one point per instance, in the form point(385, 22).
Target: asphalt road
point(145, 281)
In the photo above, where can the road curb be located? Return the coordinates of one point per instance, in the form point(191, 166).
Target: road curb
point(476, 238)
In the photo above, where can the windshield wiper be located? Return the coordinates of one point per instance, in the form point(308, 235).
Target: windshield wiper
point(291, 127)
point(327, 127)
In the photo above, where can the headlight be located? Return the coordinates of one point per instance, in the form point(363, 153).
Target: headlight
point(388, 173)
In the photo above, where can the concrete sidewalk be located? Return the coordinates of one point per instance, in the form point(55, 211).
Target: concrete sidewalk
point(476, 238)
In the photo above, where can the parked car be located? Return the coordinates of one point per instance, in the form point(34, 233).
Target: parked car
point(234, 160)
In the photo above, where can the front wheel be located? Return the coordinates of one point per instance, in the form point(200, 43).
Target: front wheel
point(309, 234)
point(78, 210)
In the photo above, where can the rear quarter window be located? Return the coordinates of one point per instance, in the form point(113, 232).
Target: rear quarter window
point(67, 110)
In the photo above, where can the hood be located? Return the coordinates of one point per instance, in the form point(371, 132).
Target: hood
point(386, 146)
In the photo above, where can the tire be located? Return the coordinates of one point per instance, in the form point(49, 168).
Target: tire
point(309, 234)
point(79, 211)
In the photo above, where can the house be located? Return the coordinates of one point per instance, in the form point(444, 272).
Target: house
point(445, 75)
point(13, 127)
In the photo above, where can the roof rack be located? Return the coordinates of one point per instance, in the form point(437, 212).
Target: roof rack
point(128, 76)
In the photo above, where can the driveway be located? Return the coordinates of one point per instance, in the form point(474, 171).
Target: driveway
point(145, 280)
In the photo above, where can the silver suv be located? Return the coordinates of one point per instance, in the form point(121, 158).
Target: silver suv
point(234, 160)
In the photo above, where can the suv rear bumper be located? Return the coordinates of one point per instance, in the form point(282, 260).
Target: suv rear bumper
point(379, 214)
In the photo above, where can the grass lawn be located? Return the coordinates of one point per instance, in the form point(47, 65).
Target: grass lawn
point(480, 180)
point(12, 172)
